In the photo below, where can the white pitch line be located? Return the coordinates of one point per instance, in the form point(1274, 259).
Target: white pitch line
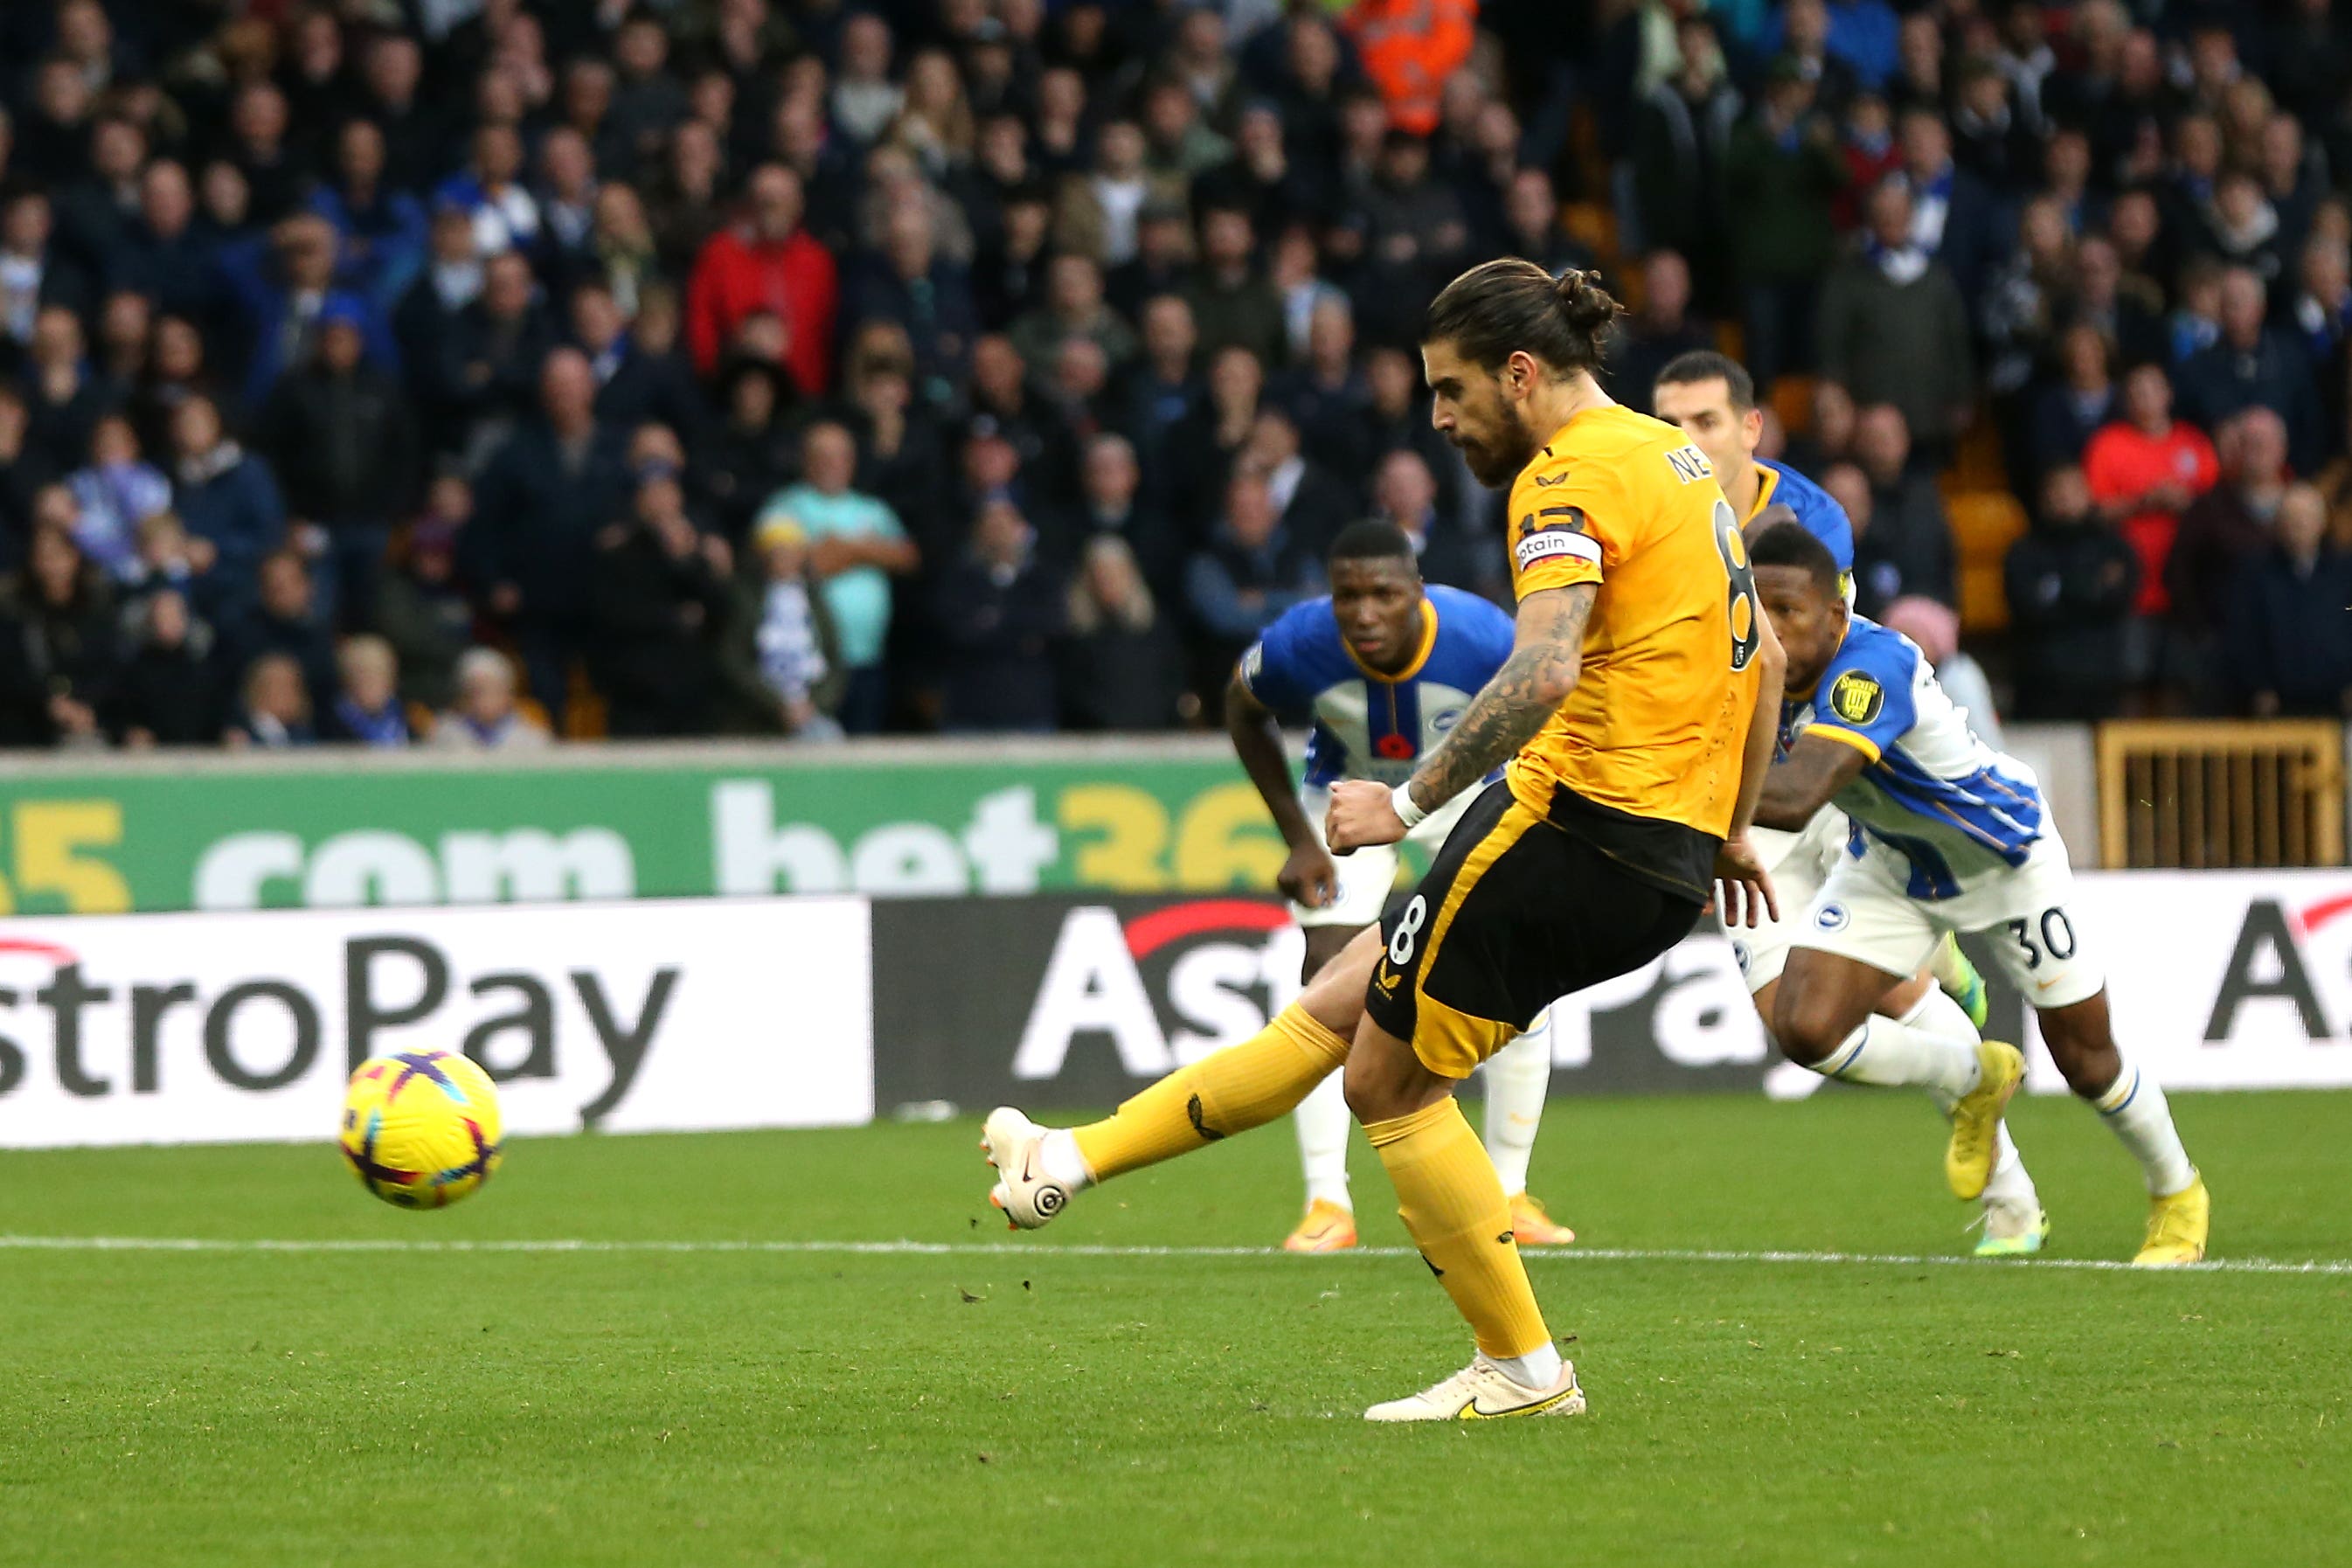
point(985, 1250)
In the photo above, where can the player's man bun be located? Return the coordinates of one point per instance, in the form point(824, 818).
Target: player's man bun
point(1501, 308)
point(1591, 309)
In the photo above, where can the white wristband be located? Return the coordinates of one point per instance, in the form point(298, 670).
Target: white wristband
point(1408, 810)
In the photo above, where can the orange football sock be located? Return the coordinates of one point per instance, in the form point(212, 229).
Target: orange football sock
point(1239, 1088)
point(1450, 1200)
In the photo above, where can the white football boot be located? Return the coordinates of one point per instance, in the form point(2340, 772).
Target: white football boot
point(1027, 1195)
point(1484, 1392)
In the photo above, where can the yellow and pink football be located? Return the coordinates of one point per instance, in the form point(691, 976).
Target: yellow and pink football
point(421, 1129)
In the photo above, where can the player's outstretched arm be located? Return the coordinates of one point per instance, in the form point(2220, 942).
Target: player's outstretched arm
point(1806, 779)
point(1743, 887)
point(1308, 877)
point(1547, 659)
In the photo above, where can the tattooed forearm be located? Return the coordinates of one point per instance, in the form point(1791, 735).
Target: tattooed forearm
point(1547, 657)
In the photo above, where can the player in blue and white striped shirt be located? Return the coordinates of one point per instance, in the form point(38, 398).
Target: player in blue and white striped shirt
point(1948, 837)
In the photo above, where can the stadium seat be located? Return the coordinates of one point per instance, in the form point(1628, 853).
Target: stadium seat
point(1985, 523)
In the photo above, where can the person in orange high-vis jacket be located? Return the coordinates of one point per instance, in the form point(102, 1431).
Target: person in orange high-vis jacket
point(1409, 47)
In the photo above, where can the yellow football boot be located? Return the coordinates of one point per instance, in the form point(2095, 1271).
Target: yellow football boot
point(1975, 1120)
point(2176, 1228)
point(1327, 1228)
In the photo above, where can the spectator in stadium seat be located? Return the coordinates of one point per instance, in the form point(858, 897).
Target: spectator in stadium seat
point(1261, 178)
point(1161, 388)
point(1162, 262)
point(1415, 231)
point(999, 610)
point(2071, 582)
point(365, 709)
point(1178, 141)
point(382, 230)
point(647, 100)
point(490, 191)
point(1404, 493)
point(2254, 364)
point(858, 545)
point(1074, 308)
point(64, 669)
point(284, 289)
point(489, 362)
point(2320, 316)
point(1680, 142)
point(414, 131)
point(2073, 408)
point(1201, 448)
point(565, 190)
point(161, 254)
point(1233, 305)
point(1097, 214)
point(226, 497)
point(94, 214)
point(633, 386)
point(1312, 504)
point(114, 493)
point(1783, 171)
point(540, 502)
point(262, 148)
point(274, 709)
point(338, 435)
point(1123, 665)
point(656, 601)
point(865, 99)
point(285, 617)
point(1397, 421)
point(422, 608)
point(170, 691)
point(1250, 572)
point(753, 451)
point(1644, 341)
point(2143, 470)
point(1112, 501)
point(1910, 550)
point(2288, 645)
point(1326, 394)
point(766, 262)
point(794, 648)
point(485, 717)
point(910, 284)
point(1531, 225)
point(684, 200)
point(1893, 328)
point(1953, 217)
point(2222, 530)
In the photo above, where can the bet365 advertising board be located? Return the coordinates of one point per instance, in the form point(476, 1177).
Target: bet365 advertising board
point(325, 832)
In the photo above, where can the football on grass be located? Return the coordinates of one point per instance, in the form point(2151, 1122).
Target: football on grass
point(421, 1128)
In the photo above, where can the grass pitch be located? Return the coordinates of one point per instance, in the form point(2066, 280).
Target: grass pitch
point(661, 1399)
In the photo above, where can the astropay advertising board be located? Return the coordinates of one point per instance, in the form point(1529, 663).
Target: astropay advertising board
point(640, 1016)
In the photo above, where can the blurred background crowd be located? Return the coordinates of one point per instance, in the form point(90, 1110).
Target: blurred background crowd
point(481, 373)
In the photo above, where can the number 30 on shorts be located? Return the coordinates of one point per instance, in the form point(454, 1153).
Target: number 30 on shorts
point(2057, 934)
point(1407, 934)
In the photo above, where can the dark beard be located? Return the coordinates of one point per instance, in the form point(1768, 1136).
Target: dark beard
point(1496, 466)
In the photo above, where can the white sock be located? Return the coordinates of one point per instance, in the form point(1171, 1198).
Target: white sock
point(1890, 1054)
point(1058, 1152)
point(1323, 1122)
point(1518, 1077)
point(1939, 1015)
point(1534, 1370)
point(2134, 1108)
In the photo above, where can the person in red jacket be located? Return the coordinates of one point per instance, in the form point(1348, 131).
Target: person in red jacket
point(2144, 469)
point(1409, 47)
point(766, 264)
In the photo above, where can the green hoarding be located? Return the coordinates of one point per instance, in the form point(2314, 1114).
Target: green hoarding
point(322, 830)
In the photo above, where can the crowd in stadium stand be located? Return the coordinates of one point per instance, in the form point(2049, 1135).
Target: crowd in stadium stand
point(467, 373)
